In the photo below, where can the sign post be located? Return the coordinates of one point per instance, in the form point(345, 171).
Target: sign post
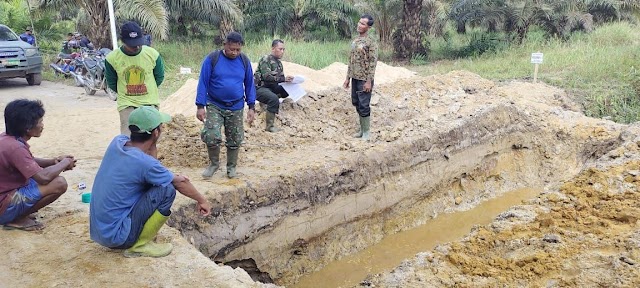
point(536, 59)
point(112, 24)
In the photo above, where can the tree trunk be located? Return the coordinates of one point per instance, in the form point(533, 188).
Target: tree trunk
point(522, 33)
point(226, 26)
point(461, 27)
point(297, 29)
point(182, 26)
point(493, 27)
point(411, 39)
point(385, 28)
point(99, 16)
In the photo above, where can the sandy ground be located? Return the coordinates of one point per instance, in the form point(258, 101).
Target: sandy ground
point(62, 255)
point(409, 106)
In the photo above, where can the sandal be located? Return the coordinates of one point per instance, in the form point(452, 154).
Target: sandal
point(33, 226)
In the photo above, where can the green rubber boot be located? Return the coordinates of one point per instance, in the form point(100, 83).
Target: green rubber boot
point(214, 157)
point(270, 120)
point(145, 247)
point(359, 133)
point(232, 162)
point(365, 123)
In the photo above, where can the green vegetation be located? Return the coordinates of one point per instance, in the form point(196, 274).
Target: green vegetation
point(600, 68)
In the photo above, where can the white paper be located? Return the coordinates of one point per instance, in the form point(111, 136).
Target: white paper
point(297, 79)
point(295, 91)
point(294, 88)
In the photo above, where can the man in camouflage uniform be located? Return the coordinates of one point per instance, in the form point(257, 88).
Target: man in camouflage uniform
point(268, 74)
point(362, 68)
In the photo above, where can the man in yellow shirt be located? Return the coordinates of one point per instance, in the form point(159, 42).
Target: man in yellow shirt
point(134, 71)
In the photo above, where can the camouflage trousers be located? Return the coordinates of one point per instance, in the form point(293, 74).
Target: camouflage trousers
point(233, 127)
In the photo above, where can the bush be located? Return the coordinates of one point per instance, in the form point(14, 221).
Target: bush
point(481, 43)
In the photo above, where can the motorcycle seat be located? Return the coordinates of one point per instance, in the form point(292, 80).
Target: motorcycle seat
point(90, 63)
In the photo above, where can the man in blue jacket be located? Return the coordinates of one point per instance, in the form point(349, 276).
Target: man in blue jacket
point(28, 37)
point(226, 82)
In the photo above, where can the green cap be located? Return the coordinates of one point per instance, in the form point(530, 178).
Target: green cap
point(147, 118)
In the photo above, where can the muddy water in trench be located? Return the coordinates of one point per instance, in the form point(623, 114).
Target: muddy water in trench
point(389, 252)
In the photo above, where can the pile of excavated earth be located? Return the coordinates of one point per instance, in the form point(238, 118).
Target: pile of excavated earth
point(311, 194)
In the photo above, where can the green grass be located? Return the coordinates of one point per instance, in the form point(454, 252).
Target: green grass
point(599, 69)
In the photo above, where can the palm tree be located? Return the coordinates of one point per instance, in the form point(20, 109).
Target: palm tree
point(521, 15)
point(435, 16)
point(223, 13)
point(386, 14)
point(151, 14)
point(291, 16)
point(490, 14)
point(613, 10)
point(409, 38)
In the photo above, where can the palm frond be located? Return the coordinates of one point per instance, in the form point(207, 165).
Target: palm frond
point(151, 14)
point(205, 10)
point(59, 4)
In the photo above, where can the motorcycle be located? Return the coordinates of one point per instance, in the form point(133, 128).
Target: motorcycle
point(66, 65)
point(92, 73)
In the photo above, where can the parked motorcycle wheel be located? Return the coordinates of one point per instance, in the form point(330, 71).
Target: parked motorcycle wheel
point(89, 83)
point(77, 77)
point(112, 95)
point(78, 81)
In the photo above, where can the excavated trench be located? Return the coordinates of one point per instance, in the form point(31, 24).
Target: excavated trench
point(303, 221)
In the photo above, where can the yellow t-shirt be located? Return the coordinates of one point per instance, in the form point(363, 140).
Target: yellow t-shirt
point(136, 83)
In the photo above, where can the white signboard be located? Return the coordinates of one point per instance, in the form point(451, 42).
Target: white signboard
point(536, 58)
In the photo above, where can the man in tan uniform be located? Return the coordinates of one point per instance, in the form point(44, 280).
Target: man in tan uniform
point(361, 71)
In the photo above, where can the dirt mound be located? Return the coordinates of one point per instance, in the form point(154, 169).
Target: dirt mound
point(400, 109)
point(182, 101)
point(332, 76)
point(180, 144)
point(327, 110)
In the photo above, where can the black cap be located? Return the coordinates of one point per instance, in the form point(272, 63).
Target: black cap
point(131, 34)
point(235, 37)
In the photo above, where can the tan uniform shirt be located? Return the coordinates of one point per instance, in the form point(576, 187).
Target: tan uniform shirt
point(363, 58)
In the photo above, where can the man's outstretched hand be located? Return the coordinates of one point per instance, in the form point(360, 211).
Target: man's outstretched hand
point(204, 208)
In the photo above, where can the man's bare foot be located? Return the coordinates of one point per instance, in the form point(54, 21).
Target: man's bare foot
point(25, 224)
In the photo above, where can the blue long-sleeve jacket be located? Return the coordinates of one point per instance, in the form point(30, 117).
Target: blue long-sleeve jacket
point(226, 85)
